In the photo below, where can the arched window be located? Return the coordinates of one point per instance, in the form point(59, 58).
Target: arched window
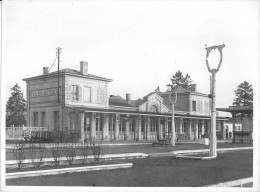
point(153, 109)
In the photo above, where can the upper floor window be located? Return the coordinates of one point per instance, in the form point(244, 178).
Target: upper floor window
point(193, 105)
point(100, 96)
point(75, 92)
point(87, 94)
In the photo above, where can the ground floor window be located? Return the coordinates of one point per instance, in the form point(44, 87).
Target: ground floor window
point(43, 121)
point(56, 120)
point(35, 119)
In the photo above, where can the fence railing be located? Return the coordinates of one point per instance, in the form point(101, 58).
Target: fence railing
point(22, 132)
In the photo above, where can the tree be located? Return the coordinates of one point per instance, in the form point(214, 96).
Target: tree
point(16, 108)
point(244, 95)
point(180, 80)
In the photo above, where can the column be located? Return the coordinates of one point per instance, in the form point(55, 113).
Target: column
point(145, 129)
point(166, 124)
point(136, 128)
point(196, 129)
point(189, 128)
point(93, 126)
point(139, 127)
point(234, 126)
point(159, 129)
point(111, 122)
point(105, 127)
point(82, 133)
point(148, 127)
point(203, 127)
point(180, 125)
point(127, 129)
point(117, 126)
point(222, 129)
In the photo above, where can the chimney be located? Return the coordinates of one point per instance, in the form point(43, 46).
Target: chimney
point(128, 97)
point(45, 70)
point(193, 87)
point(84, 67)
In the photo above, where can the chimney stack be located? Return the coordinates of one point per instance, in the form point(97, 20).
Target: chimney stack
point(84, 67)
point(193, 87)
point(128, 97)
point(45, 70)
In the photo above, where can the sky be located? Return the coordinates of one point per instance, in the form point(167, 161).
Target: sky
point(138, 44)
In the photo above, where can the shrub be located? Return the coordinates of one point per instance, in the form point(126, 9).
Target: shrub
point(97, 151)
point(37, 153)
point(19, 153)
point(56, 154)
point(84, 153)
point(70, 153)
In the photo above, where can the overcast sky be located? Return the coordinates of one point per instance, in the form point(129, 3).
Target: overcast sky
point(138, 44)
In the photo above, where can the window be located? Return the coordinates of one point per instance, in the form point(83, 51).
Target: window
point(74, 92)
point(193, 105)
point(35, 119)
point(43, 119)
point(56, 120)
point(206, 107)
point(100, 96)
point(87, 94)
point(153, 109)
point(199, 106)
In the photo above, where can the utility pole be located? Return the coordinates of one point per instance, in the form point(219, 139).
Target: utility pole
point(58, 54)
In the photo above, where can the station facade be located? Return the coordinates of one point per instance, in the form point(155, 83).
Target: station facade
point(83, 105)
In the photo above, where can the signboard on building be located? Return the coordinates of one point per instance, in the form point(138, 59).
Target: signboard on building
point(44, 92)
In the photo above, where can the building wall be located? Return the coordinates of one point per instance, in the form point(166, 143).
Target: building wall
point(182, 103)
point(94, 85)
point(202, 105)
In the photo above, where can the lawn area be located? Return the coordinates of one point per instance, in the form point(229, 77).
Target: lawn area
point(147, 148)
point(157, 172)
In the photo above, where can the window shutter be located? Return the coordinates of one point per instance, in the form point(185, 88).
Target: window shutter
point(69, 91)
point(79, 93)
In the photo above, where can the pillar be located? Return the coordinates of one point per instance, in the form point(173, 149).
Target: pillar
point(127, 136)
point(196, 129)
point(139, 127)
point(148, 127)
point(82, 133)
point(93, 126)
point(223, 129)
point(234, 126)
point(105, 127)
point(117, 126)
point(166, 124)
point(136, 128)
point(189, 129)
point(111, 122)
point(145, 129)
point(159, 129)
point(203, 127)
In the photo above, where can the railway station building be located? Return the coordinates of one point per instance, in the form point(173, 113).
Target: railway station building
point(77, 102)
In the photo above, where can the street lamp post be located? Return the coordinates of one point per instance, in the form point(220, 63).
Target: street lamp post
point(213, 137)
point(173, 92)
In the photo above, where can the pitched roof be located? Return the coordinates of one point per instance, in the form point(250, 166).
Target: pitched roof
point(118, 101)
point(71, 72)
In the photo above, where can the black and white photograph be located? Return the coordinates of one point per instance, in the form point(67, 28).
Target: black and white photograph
point(130, 95)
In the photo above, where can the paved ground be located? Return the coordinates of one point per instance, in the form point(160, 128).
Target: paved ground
point(157, 172)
